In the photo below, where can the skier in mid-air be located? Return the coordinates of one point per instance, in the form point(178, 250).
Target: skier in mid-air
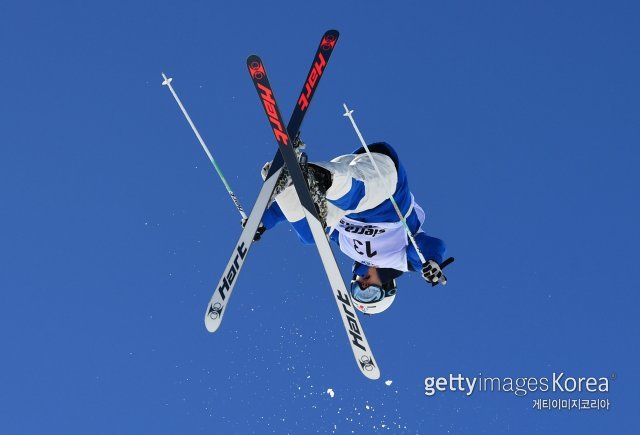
point(354, 203)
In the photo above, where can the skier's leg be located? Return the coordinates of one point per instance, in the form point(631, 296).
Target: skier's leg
point(289, 204)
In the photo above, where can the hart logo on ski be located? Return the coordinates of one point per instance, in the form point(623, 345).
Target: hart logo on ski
point(230, 275)
point(328, 42)
point(270, 106)
point(354, 327)
point(312, 80)
point(366, 363)
point(257, 70)
point(215, 311)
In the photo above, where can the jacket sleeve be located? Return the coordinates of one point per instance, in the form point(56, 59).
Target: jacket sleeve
point(432, 248)
point(356, 186)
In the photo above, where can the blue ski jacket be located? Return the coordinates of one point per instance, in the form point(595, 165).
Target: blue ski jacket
point(359, 196)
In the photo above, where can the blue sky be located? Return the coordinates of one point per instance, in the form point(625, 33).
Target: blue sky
point(518, 125)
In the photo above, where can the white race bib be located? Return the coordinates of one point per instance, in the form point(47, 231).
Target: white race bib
point(379, 245)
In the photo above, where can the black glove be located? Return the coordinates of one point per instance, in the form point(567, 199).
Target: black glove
point(431, 272)
point(261, 229)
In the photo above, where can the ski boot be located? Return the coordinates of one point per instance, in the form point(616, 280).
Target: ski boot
point(284, 180)
point(318, 179)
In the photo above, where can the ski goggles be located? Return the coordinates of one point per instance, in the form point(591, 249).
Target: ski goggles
point(373, 293)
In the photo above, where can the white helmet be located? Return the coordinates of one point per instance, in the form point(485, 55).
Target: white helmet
point(373, 299)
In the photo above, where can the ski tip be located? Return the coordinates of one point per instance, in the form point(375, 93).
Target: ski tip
point(210, 325)
point(329, 40)
point(256, 67)
point(374, 375)
point(368, 365)
point(213, 316)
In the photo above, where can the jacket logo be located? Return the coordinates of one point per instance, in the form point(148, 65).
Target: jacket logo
point(367, 230)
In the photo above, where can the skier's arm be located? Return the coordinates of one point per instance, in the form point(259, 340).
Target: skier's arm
point(356, 186)
point(431, 248)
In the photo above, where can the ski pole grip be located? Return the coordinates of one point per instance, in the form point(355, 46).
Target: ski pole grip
point(443, 279)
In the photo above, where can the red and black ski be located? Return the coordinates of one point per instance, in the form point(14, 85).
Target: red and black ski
point(357, 339)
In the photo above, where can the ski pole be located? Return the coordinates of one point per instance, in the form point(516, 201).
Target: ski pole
point(349, 114)
point(167, 82)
